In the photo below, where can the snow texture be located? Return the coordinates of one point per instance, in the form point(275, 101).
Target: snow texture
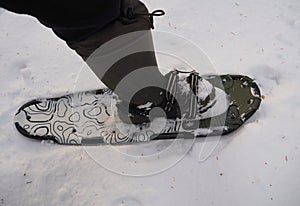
point(257, 165)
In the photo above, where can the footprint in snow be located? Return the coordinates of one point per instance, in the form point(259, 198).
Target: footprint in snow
point(266, 77)
point(126, 201)
point(26, 73)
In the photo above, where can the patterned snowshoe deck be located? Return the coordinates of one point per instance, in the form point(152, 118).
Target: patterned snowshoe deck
point(90, 117)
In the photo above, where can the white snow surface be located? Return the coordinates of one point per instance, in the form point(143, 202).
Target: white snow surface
point(257, 165)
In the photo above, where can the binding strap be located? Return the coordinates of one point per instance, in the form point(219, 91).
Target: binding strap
point(171, 90)
point(193, 80)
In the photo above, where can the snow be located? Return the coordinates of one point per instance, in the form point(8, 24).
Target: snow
point(257, 165)
point(145, 106)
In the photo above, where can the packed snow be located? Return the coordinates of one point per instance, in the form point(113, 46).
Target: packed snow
point(257, 165)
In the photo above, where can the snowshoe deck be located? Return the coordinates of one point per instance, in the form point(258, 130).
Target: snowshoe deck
point(90, 117)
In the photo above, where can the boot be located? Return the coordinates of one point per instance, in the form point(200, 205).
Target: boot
point(186, 96)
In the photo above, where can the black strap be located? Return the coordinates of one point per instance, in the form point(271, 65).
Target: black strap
point(193, 81)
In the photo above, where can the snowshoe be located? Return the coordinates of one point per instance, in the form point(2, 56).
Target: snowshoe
point(200, 107)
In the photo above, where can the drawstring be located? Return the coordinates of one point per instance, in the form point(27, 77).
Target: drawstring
point(129, 16)
point(158, 12)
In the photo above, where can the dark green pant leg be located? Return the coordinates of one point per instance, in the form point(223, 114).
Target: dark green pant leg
point(122, 56)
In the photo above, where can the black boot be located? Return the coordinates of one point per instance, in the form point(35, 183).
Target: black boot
point(187, 96)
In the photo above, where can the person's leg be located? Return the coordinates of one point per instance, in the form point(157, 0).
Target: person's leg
point(132, 52)
point(87, 26)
